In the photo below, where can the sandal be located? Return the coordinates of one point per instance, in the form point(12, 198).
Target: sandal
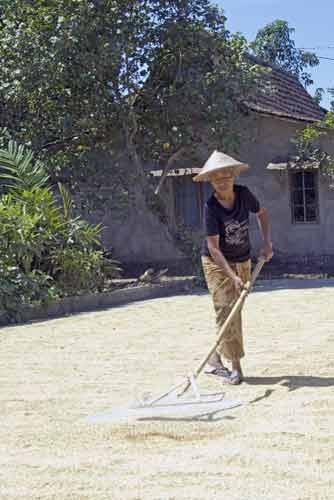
point(235, 378)
point(220, 371)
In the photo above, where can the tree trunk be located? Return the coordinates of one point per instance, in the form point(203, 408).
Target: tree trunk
point(173, 159)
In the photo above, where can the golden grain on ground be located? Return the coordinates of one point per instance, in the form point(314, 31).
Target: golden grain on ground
point(279, 445)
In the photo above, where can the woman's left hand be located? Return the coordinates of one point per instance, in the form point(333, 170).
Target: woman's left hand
point(267, 251)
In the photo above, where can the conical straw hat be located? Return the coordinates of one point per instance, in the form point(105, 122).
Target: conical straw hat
point(219, 161)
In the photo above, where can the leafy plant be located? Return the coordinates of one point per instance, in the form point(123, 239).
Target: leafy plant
point(45, 251)
point(19, 169)
point(18, 289)
point(191, 247)
point(78, 271)
point(310, 154)
point(275, 44)
point(147, 79)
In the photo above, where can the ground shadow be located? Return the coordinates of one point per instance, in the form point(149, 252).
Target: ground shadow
point(292, 382)
point(292, 284)
point(266, 395)
point(272, 285)
point(214, 416)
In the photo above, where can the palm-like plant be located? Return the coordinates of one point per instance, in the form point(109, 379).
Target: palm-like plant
point(19, 169)
point(39, 238)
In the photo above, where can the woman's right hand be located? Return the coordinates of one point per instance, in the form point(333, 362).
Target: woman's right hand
point(238, 284)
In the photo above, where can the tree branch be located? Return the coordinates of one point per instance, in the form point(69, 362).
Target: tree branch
point(63, 142)
point(175, 156)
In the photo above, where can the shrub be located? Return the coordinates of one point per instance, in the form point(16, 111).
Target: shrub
point(78, 270)
point(45, 252)
point(18, 289)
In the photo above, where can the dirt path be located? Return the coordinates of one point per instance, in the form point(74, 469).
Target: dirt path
point(279, 445)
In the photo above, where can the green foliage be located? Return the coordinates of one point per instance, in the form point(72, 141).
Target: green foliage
point(121, 74)
point(329, 120)
point(306, 139)
point(194, 97)
point(191, 247)
point(331, 93)
point(18, 168)
point(308, 149)
point(274, 44)
point(18, 289)
point(78, 270)
point(153, 80)
point(45, 251)
point(29, 225)
point(318, 95)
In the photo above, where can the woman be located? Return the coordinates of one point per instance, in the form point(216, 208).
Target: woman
point(226, 253)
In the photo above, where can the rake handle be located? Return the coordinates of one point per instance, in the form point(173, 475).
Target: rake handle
point(237, 306)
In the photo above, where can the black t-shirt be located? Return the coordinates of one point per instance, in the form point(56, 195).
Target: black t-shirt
point(231, 225)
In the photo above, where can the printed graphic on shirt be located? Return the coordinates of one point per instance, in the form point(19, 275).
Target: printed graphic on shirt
point(236, 233)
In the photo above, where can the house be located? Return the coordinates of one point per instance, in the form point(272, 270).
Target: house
point(298, 197)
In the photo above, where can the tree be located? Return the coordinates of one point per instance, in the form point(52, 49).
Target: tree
point(318, 95)
point(331, 93)
point(275, 44)
point(151, 78)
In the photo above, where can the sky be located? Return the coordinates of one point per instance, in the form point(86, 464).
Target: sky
point(312, 20)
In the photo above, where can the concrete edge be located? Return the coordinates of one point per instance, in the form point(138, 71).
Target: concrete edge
point(105, 300)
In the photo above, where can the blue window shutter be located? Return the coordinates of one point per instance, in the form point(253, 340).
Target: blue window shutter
point(187, 201)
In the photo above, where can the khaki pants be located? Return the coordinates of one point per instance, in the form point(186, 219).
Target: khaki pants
point(224, 296)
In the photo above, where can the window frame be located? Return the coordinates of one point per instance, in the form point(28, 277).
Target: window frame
point(305, 204)
point(200, 197)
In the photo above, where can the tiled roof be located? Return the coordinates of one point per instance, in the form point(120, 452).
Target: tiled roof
point(286, 97)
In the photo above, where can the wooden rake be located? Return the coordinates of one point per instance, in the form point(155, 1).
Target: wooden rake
point(175, 400)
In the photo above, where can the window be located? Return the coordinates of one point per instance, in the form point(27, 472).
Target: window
point(190, 197)
point(304, 197)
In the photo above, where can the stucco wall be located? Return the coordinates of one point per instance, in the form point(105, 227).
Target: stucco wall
point(133, 233)
point(136, 236)
point(140, 239)
point(272, 138)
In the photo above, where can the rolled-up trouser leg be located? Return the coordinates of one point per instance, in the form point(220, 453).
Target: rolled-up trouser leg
point(224, 296)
